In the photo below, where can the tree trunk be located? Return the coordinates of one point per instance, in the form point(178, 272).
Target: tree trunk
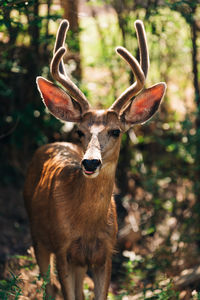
point(193, 28)
point(194, 58)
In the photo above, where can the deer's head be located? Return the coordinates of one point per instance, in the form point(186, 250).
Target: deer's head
point(100, 131)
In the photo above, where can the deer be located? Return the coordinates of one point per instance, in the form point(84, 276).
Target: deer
point(68, 188)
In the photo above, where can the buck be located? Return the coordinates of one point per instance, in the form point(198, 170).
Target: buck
point(68, 188)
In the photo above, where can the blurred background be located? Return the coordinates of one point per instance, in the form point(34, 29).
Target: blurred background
point(158, 176)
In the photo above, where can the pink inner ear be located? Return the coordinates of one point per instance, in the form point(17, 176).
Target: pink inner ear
point(51, 94)
point(145, 104)
point(148, 99)
point(57, 101)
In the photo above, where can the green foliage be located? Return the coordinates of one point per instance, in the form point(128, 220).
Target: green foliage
point(186, 8)
point(162, 162)
point(166, 293)
point(24, 123)
point(10, 287)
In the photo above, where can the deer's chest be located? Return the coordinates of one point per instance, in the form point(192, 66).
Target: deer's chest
point(88, 252)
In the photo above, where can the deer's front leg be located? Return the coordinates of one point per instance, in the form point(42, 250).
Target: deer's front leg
point(43, 257)
point(101, 277)
point(79, 277)
point(66, 276)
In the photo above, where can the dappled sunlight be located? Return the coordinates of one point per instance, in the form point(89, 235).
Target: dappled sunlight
point(157, 188)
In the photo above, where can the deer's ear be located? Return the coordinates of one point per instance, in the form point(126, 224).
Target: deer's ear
point(144, 106)
point(58, 102)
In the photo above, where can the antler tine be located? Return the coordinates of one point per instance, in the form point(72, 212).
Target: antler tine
point(136, 86)
point(144, 53)
point(139, 70)
point(60, 40)
point(57, 68)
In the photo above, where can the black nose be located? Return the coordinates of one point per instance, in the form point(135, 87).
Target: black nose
point(91, 164)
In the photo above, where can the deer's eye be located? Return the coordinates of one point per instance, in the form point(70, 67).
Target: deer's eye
point(80, 133)
point(114, 133)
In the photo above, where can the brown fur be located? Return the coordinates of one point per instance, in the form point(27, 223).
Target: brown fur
point(71, 215)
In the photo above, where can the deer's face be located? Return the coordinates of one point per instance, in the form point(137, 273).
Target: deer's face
point(100, 135)
point(100, 130)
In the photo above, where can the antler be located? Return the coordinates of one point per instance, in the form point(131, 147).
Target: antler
point(57, 68)
point(139, 70)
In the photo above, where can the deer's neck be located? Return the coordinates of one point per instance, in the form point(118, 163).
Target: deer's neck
point(101, 187)
point(94, 194)
point(87, 199)
point(96, 197)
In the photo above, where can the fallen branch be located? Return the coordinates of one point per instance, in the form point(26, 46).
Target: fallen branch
point(187, 277)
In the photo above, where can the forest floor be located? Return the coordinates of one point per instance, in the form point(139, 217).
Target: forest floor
point(15, 235)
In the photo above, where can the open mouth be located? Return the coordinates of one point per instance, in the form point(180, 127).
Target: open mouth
point(91, 174)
